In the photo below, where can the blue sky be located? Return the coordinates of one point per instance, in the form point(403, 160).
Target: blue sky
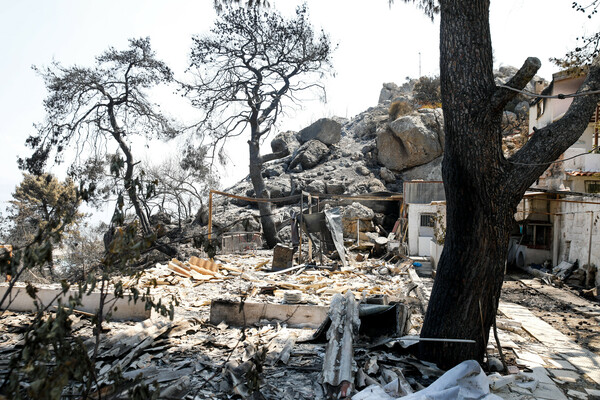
point(377, 44)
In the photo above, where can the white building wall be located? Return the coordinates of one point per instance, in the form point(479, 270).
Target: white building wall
point(576, 223)
point(417, 247)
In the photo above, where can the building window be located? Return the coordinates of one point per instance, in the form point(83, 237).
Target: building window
point(537, 236)
point(426, 225)
point(428, 220)
point(592, 186)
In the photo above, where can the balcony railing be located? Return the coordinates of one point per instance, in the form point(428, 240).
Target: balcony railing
point(588, 162)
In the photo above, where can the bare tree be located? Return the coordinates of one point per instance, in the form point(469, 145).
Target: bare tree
point(91, 109)
point(180, 185)
point(253, 61)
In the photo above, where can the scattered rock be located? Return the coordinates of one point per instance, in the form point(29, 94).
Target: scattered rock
point(275, 170)
point(387, 175)
point(357, 210)
point(362, 170)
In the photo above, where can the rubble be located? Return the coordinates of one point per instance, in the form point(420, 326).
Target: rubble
point(241, 330)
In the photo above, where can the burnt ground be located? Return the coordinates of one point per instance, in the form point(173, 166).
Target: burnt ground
point(562, 308)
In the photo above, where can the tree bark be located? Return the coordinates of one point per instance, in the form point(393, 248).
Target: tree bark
point(482, 188)
point(266, 216)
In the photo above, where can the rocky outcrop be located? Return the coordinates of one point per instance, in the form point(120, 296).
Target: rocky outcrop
point(408, 142)
point(327, 130)
point(366, 124)
point(374, 152)
point(391, 92)
point(432, 171)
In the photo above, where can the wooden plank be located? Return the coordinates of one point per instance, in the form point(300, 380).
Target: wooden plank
point(294, 315)
point(181, 271)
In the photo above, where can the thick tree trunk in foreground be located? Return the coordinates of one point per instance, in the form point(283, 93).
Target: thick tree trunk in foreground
point(482, 188)
point(260, 190)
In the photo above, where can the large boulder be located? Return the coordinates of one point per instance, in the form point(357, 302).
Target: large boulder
point(407, 142)
point(309, 154)
point(433, 118)
point(327, 130)
point(432, 171)
point(285, 141)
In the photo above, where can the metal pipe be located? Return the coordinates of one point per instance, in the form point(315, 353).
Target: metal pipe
point(309, 239)
point(300, 228)
point(591, 233)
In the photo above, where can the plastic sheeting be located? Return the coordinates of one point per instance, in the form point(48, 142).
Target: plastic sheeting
point(466, 381)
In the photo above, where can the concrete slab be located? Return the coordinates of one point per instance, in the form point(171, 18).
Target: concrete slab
point(549, 392)
point(593, 393)
point(527, 356)
point(584, 360)
point(541, 374)
point(575, 394)
point(565, 375)
point(559, 363)
point(121, 309)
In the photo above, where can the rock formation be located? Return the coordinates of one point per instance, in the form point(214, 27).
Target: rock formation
point(369, 153)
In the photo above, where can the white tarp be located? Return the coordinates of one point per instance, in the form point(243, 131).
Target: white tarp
point(466, 381)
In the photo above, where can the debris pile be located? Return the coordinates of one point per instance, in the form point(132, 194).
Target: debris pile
point(306, 332)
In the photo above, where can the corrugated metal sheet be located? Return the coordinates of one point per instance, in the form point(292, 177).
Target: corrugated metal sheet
point(423, 192)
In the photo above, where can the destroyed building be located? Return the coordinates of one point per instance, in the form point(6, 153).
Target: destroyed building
point(325, 321)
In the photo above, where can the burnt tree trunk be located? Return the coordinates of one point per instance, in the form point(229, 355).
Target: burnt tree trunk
point(261, 192)
point(482, 187)
point(130, 187)
point(128, 177)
